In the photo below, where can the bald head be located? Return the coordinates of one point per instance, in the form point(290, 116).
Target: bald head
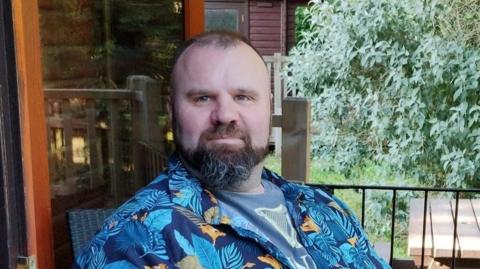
point(221, 40)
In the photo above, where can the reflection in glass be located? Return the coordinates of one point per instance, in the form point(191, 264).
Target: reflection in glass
point(96, 44)
point(221, 19)
point(89, 48)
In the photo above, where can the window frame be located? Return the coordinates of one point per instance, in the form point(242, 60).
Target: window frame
point(12, 227)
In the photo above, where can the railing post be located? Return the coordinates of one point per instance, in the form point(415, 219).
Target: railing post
point(277, 100)
point(114, 151)
point(296, 139)
point(95, 167)
point(69, 169)
point(147, 128)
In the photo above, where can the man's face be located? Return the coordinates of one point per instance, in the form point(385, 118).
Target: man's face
point(222, 100)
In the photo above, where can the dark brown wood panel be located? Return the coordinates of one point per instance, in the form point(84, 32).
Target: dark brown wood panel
point(271, 16)
point(273, 24)
point(255, 9)
point(268, 52)
point(265, 26)
point(265, 44)
point(262, 30)
point(261, 37)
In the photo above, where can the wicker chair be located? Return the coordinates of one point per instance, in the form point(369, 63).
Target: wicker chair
point(83, 224)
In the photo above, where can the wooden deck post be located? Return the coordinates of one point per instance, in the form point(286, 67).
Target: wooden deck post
point(95, 167)
point(147, 107)
point(277, 102)
point(114, 152)
point(296, 139)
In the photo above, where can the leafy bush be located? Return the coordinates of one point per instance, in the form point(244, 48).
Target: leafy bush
point(389, 84)
point(463, 21)
point(301, 22)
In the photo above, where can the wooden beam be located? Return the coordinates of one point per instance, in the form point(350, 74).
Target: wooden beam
point(468, 233)
point(89, 93)
point(296, 139)
point(442, 229)
point(415, 229)
point(33, 138)
point(194, 11)
point(283, 27)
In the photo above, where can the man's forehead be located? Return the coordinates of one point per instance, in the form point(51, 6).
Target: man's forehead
point(207, 56)
point(239, 66)
point(199, 54)
point(200, 51)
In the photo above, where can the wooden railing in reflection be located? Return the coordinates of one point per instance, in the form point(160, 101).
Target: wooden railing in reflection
point(104, 144)
point(75, 131)
point(154, 162)
point(99, 134)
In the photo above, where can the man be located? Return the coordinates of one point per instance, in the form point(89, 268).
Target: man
point(216, 206)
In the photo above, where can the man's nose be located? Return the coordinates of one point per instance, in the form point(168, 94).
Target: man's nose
point(225, 112)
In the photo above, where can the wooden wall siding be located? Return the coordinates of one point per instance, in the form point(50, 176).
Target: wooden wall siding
point(265, 26)
point(291, 6)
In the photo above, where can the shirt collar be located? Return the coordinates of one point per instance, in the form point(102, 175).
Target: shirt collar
point(186, 191)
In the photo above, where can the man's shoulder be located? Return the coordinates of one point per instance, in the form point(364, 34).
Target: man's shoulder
point(155, 194)
point(150, 199)
point(146, 213)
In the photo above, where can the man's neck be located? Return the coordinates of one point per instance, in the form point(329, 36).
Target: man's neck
point(253, 184)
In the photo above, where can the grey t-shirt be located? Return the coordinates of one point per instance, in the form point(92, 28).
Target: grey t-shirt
point(266, 214)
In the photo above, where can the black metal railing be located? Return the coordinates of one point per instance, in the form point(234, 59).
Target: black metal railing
point(363, 188)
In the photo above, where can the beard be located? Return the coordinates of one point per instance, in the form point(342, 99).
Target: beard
point(222, 166)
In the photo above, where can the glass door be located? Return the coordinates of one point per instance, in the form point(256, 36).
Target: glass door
point(77, 130)
point(105, 65)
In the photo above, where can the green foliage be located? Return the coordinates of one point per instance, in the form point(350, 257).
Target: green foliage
point(147, 31)
point(389, 84)
point(301, 22)
point(463, 21)
point(137, 37)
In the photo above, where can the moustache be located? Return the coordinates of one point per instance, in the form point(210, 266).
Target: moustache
point(223, 131)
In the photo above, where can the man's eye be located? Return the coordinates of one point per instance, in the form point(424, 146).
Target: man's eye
point(201, 99)
point(242, 97)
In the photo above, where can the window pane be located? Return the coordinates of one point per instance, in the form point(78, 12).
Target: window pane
point(221, 19)
point(101, 129)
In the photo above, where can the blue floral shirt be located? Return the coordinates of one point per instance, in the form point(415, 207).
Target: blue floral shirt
point(174, 223)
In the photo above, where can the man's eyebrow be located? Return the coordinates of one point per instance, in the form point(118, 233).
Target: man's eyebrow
point(247, 91)
point(196, 92)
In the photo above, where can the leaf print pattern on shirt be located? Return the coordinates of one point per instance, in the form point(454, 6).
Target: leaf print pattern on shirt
point(174, 223)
